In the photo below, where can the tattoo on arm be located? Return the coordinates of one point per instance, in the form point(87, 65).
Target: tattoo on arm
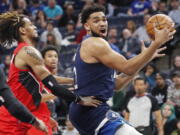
point(33, 54)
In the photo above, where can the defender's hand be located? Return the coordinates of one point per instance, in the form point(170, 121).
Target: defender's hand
point(39, 124)
point(89, 101)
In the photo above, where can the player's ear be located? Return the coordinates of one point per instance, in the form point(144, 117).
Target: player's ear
point(21, 30)
point(86, 26)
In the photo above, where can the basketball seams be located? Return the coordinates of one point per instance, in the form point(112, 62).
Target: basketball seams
point(161, 21)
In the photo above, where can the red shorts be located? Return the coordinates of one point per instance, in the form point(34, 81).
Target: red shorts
point(9, 125)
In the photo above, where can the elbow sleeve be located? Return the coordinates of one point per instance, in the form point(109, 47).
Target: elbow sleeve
point(51, 83)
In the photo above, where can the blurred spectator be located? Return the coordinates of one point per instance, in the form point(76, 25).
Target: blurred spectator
point(118, 101)
point(149, 73)
point(139, 7)
point(6, 64)
point(162, 8)
point(175, 11)
point(174, 92)
point(81, 34)
point(35, 8)
point(68, 16)
point(53, 11)
point(88, 3)
point(141, 33)
point(20, 6)
point(70, 130)
point(154, 7)
point(131, 26)
point(53, 30)
point(51, 40)
point(140, 107)
point(129, 45)
point(160, 89)
point(70, 34)
point(4, 6)
point(159, 7)
point(169, 118)
point(113, 36)
point(109, 7)
point(40, 21)
point(177, 131)
point(176, 64)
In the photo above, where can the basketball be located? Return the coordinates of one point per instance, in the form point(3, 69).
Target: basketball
point(160, 21)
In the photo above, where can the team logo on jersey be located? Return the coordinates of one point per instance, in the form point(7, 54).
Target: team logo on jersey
point(112, 116)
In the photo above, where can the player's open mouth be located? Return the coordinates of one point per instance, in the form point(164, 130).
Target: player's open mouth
point(103, 31)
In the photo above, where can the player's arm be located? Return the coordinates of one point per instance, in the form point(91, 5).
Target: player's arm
point(12, 104)
point(16, 108)
point(122, 81)
point(99, 49)
point(34, 60)
point(159, 122)
point(64, 80)
point(47, 97)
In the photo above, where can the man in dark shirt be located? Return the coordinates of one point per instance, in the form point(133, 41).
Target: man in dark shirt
point(160, 90)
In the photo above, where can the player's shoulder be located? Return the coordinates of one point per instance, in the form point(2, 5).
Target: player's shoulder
point(95, 42)
point(29, 53)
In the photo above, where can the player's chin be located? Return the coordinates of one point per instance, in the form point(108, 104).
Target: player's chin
point(36, 35)
point(104, 35)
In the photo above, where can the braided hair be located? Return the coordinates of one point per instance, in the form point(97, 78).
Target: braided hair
point(10, 22)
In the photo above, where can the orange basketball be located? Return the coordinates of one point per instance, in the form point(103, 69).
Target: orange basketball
point(160, 21)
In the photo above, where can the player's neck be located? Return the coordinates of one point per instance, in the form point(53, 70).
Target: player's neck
point(140, 94)
point(28, 41)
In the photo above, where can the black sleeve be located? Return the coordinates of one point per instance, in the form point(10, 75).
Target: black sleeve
point(51, 83)
point(154, 102)
point(16, 108)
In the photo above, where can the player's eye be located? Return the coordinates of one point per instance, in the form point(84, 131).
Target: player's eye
point(96, 21)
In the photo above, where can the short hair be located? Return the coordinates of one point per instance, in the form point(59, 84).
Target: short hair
point(175, 73)
point(139, 78)
point(10, 22)
point(163, 75)
point(90, 10)
point(49, 48)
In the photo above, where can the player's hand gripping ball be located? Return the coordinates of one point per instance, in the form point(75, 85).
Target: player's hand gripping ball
point(160, 21)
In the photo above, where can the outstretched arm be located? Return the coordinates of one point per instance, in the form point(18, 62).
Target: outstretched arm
point(122, 80)
point(99, 49)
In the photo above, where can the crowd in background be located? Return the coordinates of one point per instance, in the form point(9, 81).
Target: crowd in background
point(59, 25)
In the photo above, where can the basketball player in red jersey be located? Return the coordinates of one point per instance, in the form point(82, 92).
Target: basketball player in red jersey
point(50, 56)
point(27, 71)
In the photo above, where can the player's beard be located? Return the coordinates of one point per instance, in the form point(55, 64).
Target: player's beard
point(94, 34)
